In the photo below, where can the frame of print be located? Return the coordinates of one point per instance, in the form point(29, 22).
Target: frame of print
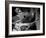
point(24, 18)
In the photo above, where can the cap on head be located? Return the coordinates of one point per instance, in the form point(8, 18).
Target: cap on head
point(17, 10)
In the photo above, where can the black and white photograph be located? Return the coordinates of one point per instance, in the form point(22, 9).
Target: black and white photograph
point(25, 19)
